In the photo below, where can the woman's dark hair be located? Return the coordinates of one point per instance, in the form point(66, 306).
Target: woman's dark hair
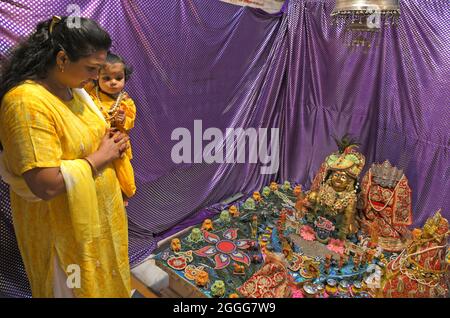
point(112, 58)
point(33, 58)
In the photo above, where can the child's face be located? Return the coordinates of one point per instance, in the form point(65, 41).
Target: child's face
point(112, 78)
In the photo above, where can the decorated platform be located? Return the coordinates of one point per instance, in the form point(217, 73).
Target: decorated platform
point(220, 256)
point(339, 239)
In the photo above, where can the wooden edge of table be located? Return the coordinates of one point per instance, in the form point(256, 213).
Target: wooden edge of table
point(142, 288)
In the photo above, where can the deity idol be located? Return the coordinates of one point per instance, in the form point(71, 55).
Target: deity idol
point(385, 205)
point(333, 192)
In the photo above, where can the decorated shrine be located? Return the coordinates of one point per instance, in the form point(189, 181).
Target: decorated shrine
point(343, 238)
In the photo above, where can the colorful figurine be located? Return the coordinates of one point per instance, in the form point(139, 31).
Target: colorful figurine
point(202, 278)
point(254, 226)
point(323, 228)
point(191, 271)
point(225, 217)
point(249, 204)
point(297, 190)
point(207, 225)
point(238, 269)
point(175, 245)
point(300, 204)
point(195, 236)
point(234, 212)
point(257, 196)
point(286, 185)
point(218, 288)
point(266, 192)
point(273, 186)
point(386, 206)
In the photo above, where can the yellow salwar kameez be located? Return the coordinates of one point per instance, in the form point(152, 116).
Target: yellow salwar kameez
point(124, 169)
point(86, 227)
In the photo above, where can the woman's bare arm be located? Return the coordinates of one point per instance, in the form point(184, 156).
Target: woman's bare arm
point(45, 183)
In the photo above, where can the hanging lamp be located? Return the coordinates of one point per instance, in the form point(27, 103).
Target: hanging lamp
point(364, 18)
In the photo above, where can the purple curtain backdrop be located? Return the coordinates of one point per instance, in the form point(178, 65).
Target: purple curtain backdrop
point(238, 67)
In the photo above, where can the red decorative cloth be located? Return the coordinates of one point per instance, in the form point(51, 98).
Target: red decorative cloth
point(271, 281)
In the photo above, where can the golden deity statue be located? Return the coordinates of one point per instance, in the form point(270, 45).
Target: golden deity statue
point(333, 192)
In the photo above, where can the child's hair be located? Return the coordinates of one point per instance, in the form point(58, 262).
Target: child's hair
point(112, 58)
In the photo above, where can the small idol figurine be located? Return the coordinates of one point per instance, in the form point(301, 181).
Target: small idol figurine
point(238, 269)
point(202, 279)
point(207, 225)
point(234, 212)
point(218, 288)
point(254, 226)
point(175, 245)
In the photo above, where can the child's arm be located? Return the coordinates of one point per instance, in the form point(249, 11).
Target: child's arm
point(130, 114)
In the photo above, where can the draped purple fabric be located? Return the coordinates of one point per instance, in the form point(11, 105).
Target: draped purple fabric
point(238, 67)
point(394, 97)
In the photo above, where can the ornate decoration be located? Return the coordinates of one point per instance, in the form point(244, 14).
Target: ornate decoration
point(225, 249)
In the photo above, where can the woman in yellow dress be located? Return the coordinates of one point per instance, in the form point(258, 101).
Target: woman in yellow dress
point(67, 207)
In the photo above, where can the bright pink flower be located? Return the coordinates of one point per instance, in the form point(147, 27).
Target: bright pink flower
point(297, 293)
point(336, 246)
point(307, 233)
